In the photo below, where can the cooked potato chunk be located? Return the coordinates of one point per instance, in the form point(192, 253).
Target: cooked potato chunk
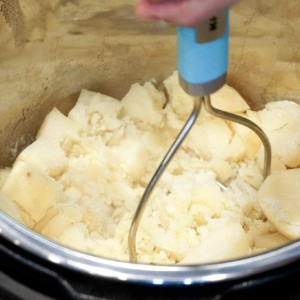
point(280, 201)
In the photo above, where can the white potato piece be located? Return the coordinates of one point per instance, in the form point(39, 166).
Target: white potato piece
point(55, 226)
point(226, 241)
point(46, 156)
point(179, 101)
point(228, 99)
point(250, 139)
point(281, 122)
point(57, 126)
point(95, 112)
point(33, 191)
point(236, 150)
point(270, 241)
point(251, 174)
point(49, 152)
point(49, 215)
point(134, 155)
point(10, 208)
point(221, 168)
point(280, 201)
point(276, 165)
point(210, 139)
point(75, 236)
point(28, 220)
point(144, 103)
point(167, 242)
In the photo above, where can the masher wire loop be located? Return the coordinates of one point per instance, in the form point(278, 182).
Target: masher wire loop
point(175, 146)
point(145, 198)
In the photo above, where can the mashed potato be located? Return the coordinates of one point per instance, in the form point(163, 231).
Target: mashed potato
point(79, 183)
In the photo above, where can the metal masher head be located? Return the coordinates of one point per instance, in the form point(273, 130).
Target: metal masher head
point(202, 64)
point(172, 151)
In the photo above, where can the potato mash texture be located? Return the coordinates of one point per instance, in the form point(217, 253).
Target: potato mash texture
point(80, 182)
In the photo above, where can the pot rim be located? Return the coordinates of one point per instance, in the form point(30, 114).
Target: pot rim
point(53, 252)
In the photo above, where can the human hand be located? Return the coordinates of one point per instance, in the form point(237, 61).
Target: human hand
point(187, 13)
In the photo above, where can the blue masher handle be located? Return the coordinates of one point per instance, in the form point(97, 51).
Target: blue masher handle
point(203, 55)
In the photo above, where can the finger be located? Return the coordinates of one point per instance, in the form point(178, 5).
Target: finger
point(186, 13)
point(156, 1)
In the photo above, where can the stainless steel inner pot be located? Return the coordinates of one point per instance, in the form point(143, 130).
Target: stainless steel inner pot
point(102, 46)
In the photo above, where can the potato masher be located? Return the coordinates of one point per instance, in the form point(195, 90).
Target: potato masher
point(202, 66)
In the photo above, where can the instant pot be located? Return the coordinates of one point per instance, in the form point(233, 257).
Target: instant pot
point(50, 50)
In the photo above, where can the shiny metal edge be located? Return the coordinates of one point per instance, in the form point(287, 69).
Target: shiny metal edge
point(203, 89)
point(141, 273)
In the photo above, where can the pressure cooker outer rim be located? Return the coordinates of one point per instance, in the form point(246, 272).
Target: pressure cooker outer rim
point(85, 263)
